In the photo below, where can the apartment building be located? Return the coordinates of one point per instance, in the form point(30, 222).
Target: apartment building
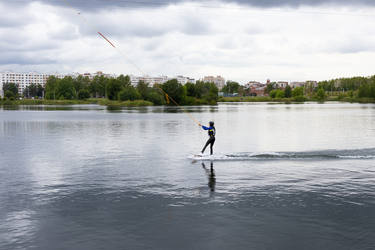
point(151, 80)
point(218, 80)
point(24, 80)
point(312, 83)
point(297, 84)
point(182, 79)
point(92, 75)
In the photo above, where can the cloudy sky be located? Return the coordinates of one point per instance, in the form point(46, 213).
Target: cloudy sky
point(241, 40)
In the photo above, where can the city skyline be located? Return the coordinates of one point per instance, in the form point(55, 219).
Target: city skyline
point(160, 78)
point(241, 40)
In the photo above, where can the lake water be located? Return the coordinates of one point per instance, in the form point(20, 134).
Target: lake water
point(282, 176)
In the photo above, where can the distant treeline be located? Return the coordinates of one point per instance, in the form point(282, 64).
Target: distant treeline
point(120, 89)
point(364, 86)
point(354, 87)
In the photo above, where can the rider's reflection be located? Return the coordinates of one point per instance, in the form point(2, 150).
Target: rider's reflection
point(211, 176)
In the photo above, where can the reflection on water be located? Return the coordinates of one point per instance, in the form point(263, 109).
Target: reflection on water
point(50, 107)
point(16, 225)
point(211, 176)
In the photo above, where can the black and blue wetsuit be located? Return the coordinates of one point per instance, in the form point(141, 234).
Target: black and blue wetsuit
point(211, 139)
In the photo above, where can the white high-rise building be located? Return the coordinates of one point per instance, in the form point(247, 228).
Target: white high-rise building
point(92, 75)
point(24, 80)
point(151, 80)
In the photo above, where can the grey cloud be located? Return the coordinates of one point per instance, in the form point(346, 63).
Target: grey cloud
point(24, 58)
point(252, 3)
point(14, 17)
point(296, 4)
point(12, 21)
point(14, 41)
point(90, 5)
point(196, 27)
point(153, 25)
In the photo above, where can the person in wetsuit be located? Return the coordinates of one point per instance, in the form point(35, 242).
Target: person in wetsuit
point(211, 134)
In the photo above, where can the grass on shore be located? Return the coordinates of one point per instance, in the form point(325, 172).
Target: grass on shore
point(310, 98)
point(100, 101)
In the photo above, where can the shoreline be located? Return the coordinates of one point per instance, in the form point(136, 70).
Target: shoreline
point(141, 103)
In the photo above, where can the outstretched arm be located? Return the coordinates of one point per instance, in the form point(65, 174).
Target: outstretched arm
point(206, 128)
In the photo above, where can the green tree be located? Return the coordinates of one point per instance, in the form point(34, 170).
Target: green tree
point(362, 91)
point(6, 86)
point(332, 85)
point(50, 87)
point(79, 83)
point(129, 94)
point(280, 94)
point(26, 92)
point(176, 91)
point(309, 87)
point(142, 88)
point(321, 94)
point(93, 86)
point(231, 87)
point(155, 98)
point(297, 91)
point(212, 95)
point(50, 95)
point(51, 83)
point(353, 83)
point(273, 93)
point(86, 82)
point(30, 91)
point(241, 91)
point(8, 94)
point(65, 88)
point(10, 86)
point(371, 82)
point(124, 81)
point(101, 87)
point(288, 91)
point(39, 90)
point(367, 90)
point(270, 87)
point(112, 89)
point(83, 94)
point(200, 89)
point(191, 89)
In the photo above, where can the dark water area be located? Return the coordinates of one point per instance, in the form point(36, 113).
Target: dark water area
point(281, 177)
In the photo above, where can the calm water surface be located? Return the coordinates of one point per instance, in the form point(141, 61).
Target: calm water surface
point(282, 176)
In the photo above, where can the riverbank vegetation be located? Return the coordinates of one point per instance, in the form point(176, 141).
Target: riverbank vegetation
point(120, 92)
point(100, 101)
